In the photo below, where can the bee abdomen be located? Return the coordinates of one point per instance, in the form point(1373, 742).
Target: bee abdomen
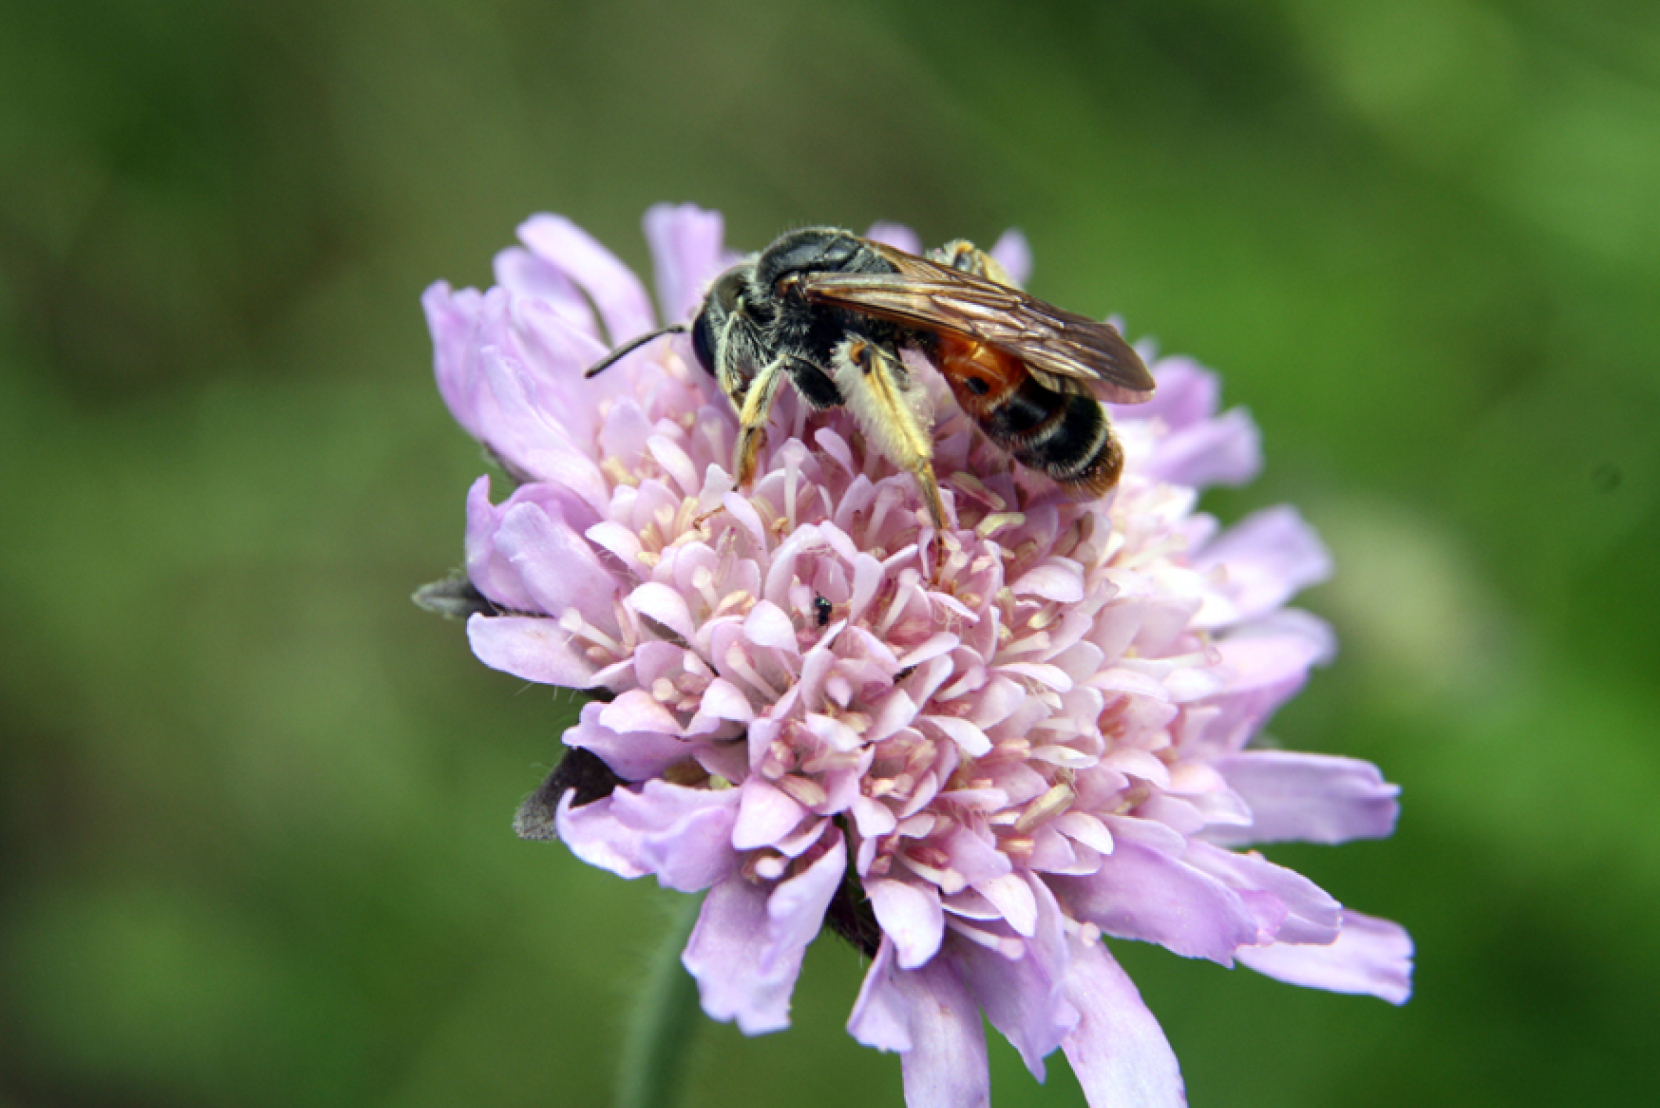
point(1062, 432)
point(1066, 436)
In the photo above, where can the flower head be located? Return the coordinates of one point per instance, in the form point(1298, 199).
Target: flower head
point(972, 769)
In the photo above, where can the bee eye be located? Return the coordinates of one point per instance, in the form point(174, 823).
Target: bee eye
point(976, 386)
point(703, 341)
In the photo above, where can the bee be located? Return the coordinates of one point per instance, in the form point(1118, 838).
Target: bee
point(832, 311)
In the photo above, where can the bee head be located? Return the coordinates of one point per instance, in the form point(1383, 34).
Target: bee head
point(725, 299)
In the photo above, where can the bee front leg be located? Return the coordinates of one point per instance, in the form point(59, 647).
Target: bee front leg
point(753, 414)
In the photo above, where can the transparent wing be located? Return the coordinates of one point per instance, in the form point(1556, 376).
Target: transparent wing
point(932, 297)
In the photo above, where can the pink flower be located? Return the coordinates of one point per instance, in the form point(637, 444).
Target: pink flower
point(972, 772)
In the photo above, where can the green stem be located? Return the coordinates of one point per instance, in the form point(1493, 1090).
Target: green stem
point(660, 1030)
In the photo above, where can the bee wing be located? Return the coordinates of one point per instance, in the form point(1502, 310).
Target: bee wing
point(933, 297)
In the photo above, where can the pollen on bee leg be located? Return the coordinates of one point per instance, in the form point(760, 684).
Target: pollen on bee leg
point(747, 455)
point(931, 494)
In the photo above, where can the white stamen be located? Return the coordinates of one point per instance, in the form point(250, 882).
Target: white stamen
point(571, 621)
point(704, 582)
point(738, 662)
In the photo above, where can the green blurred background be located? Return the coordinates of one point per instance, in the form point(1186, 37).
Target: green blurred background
point(254, 844)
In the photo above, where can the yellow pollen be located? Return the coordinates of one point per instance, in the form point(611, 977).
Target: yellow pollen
point(620, 474)
point(808, 793)
point(996, 521)
point(1050, 804)
point(1016, 846)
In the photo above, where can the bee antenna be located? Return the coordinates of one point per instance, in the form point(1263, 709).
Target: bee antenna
point(629, 347)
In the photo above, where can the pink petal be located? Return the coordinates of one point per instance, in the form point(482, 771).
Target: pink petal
point(1288, 905)
point(452, 318)
point(526, 432)
point(724, 700)
point(795, 911)
point(946, 1066)
point(969, 739)
point(867, 576)
point(632, 755)
point(1041, 672)
point(686, 252)
point(1014, 254)
point(615, 291)
point(1141, 893)
point(910, 915)
point(768, 625)
point(1059, 579)
point(1187, 394)
point(534, 649)
point(937, 644)
point(524, 274)
point(1222, 451)
point(931, 1017)
point(1317, 798)
point(1372, 956)
point(624, 433)
point(747, 947)
point(490, 572)
point(618, 540)
point(665, 605)
point(1023, 997)
point(1269, 659)
point(1013, 898)
point(557, 566)
point(766, 815)
point(1267, 557)
point(1118, 1052)
point(593, 833)
point(724, 954)
point(896, 235)
point(638, 710)
point(1086, 829)
point(879, 1018)
point(685, 835)
point(676, 463)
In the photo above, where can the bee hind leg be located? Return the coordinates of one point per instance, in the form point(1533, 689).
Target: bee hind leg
point(892, 410)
